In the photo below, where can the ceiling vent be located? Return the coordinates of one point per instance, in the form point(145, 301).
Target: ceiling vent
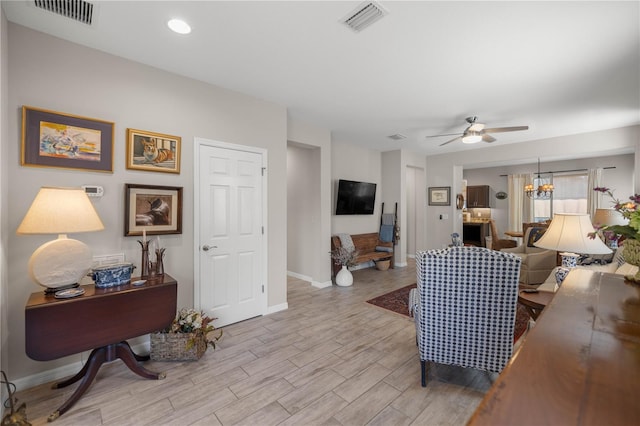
point(364, 15)
point(78, 10)
point(397, 137)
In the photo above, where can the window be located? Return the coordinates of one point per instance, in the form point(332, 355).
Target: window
point(569, 196)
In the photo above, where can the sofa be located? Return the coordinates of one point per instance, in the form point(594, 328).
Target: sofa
point(537, 263)
point(617, 266)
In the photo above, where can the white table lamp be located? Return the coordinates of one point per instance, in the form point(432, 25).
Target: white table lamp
point(63, 262)
point(569, 234)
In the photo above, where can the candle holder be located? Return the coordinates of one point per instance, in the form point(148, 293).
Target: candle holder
point(159, 261)
point(144, 264)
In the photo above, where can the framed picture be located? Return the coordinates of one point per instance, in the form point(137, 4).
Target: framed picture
point(153, 152)
point(55, 139)
point(440, 196)
point(156, 210)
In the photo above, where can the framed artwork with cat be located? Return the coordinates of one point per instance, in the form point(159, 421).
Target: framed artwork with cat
point(153, 152)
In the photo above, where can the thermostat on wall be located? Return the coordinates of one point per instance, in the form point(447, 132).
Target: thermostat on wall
point(93, 190)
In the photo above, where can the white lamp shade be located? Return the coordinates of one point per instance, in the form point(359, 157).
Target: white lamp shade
point(570, 233)
point(60, 211)
point(609, 217)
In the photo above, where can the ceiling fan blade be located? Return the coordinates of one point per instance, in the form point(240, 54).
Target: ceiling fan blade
point(452, 140)
point(488, 138)
point(445, 134)
point(506, 129)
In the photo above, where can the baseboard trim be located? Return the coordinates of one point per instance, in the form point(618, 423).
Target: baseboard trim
point(277, 308)
point(58, 373)
point(299, 276)
point(321, 284)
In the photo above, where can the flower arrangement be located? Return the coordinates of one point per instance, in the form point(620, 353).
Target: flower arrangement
point(629, 210)
point(197, 323)
point(344, 257)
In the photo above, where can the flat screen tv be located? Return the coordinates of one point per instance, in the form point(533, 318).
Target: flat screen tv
point(355, 197)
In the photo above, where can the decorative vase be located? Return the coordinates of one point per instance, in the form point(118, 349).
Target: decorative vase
point(344, 278)
point(631, 254)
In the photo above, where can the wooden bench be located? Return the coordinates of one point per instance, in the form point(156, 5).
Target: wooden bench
point(365, 245)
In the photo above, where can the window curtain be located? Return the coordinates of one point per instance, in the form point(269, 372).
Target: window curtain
point(520, 206)
point(593, 197)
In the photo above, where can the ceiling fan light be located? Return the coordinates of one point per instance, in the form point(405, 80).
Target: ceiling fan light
point(472, 137)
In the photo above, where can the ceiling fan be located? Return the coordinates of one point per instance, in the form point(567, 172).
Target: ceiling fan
point(476, 132)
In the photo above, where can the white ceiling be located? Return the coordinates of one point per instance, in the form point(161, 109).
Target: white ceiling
point(559, 67)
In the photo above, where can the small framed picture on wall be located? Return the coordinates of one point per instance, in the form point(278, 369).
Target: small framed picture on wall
point(439, 196)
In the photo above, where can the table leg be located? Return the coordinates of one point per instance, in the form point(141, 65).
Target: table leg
point(98, 357)
point(80, 373)
point(124, 352)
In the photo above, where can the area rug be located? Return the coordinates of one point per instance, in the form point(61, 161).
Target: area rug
point(398, 301)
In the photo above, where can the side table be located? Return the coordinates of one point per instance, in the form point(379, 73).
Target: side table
point(535, 302)
point(100, 320)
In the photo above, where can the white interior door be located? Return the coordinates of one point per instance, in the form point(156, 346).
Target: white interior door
point(231, 279)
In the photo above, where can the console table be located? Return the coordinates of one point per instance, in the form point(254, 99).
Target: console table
point(101, 320)
point(579, 365)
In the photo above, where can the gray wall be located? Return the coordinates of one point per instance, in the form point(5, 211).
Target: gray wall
point(303, 208)
point(49, 73)
point(618, 178)
point(312, 229)
point(360, 164)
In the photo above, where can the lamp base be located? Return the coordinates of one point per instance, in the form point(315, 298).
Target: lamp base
point(569, 261)
point(60, 263)
point(51, 291)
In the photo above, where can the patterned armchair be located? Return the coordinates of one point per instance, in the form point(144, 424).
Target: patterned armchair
point(465, 307)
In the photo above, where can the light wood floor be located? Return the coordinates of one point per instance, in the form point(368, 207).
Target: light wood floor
point(330, 359)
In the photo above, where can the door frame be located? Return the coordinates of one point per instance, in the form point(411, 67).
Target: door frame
point(197, 143)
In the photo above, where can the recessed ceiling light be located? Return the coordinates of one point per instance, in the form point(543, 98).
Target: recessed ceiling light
point(179, 26)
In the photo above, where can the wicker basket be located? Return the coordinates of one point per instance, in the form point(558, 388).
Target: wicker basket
point(173, 347)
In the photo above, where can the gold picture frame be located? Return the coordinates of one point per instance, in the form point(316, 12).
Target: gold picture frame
point(153, 152)
point(56, 139)
point(156, 210)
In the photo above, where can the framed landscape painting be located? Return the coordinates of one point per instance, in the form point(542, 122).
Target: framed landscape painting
point(55, 139)
point(153, 152)
point(154, 209)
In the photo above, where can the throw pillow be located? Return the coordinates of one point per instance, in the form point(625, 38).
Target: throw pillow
point(534, 235)
point(618, 257)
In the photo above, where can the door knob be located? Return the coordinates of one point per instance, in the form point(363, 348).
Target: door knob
point(207, 248)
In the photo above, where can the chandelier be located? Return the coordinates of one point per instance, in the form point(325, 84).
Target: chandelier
point(542, 192)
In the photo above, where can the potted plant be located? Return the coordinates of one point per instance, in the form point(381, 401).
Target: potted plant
point(186, 339)
point(345, 258)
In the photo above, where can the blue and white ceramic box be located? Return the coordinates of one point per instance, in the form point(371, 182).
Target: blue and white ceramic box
point(112, 275)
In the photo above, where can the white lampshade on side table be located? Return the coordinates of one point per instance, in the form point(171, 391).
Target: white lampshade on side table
point(63, 262)
point(569, 234)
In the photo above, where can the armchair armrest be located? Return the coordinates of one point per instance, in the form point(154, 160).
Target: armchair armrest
point(519, 249)
point(542, 260)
